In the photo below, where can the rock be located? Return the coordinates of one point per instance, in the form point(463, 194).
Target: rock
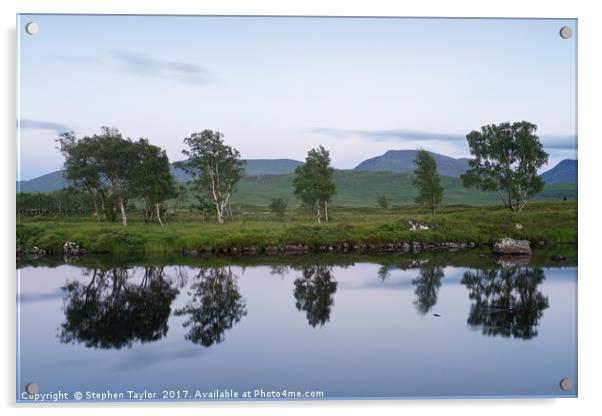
point(291, 248)
point(72, 249)
point(509, 246)
point(416, 246)
point(451, 246)
point(272, 249)
point(417, 226)
point(508, 262)
point(518, 226)
point(37, 252)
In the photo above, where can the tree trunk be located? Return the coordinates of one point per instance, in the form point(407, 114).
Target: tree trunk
point(96, 214)
point(230, 210)
point(158, 214)
point(220, 214)
point(319, 214)
point(124, 216)
point(326, 211)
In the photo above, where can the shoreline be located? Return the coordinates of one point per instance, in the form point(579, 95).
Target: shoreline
point(414, 247)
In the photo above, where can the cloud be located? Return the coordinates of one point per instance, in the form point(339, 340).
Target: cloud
point(145, 65)
point(42, 125)
point(389, 135)
point(552, 142)
point(559, 142)
point(148, 357)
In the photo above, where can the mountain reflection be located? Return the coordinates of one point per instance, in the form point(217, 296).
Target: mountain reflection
point(215, 306)
point(113, 312)
point(313, 293)
point(427, 286)
point(506, 301)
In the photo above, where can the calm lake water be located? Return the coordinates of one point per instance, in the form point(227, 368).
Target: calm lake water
point(348, 326)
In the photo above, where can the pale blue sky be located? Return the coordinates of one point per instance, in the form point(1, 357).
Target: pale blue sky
point(278, 86)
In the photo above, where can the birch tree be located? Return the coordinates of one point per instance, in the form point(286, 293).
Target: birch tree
point(215, 167)
point(151, 179)
point(506, 158)
point(313, 183)
point(427, 180)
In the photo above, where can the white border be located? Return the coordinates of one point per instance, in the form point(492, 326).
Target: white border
point(590, 151)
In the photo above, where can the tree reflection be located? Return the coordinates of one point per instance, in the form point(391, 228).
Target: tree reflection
point(427, 286)
point(313, 293)
point(507, 301)
point(112, 312)
point(216, 305)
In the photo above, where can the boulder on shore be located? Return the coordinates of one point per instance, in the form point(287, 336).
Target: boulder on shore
point(510, 246)
point(417, 225)
point(72, 249)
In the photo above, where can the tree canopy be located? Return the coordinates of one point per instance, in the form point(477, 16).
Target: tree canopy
point(427, 180)
point(506, 158)
point(313, 183)
point(215, 166)
point(113, 168)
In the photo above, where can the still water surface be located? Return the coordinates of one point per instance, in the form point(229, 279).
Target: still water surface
point(348, 328)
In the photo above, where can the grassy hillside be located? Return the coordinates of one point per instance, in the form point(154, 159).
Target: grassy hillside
point(357, 188)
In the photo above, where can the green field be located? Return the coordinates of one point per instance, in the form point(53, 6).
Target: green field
point(252, 226)
point(360, 189)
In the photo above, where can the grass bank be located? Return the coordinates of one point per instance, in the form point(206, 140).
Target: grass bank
point(552, 222)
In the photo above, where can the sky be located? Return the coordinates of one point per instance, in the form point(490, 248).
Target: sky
point(279, 86)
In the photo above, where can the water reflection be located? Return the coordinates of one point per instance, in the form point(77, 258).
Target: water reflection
point(506, 301)
point(427, 287)
point(113, 312)
point(113, 309)
point(313, 293)
point(215, 306)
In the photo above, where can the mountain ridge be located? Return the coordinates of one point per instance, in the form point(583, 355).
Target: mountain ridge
point(403, 161)
point(398, 161)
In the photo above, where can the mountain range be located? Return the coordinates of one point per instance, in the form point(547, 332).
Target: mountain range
point(564, 172)
point(398, 161)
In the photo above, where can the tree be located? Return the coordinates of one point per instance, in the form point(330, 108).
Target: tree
point(427, 287)
point(506, 301)
point(95, 162)
point(278, 207)
point(216, 306)
point(81, 166)
point(181, 193)
point(383, 202)
point(151, 179)
point(215, 167)
point(313, 183)
point(113, 311)
point(427, 180)
point(314, 293)
point(116, 158)
point(506, 159)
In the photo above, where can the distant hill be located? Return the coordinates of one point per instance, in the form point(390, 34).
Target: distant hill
point(46, 183)
point(564, 172)
point(360, 189)
point(402, 161)
point(271, 178)
point(254, 167)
